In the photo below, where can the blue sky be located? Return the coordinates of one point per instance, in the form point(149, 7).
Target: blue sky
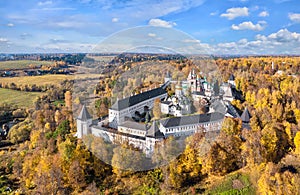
point(221, 26)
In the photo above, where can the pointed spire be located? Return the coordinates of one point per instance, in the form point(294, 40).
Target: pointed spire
point(154, 131)
point(228, 92)
point(190, 76)
point(84, 114)
point(246, 116)
point(168, 74)
point(231, 77)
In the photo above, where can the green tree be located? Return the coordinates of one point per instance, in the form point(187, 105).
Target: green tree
point(63, 129)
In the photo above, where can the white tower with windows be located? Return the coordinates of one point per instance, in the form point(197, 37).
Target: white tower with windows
point(84, 121)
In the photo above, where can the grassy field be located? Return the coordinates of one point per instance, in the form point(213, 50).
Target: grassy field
point(19, 64)
point(45, 79)
point(19, 98)
point(236, 183)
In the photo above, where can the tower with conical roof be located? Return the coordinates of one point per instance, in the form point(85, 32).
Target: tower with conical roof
point(231, 80)
point(153, 135)
point(246, 118)
point(84, 120)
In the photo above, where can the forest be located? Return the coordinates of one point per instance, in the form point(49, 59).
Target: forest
point(45, 157)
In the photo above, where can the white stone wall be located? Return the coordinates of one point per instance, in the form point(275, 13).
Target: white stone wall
point(117, 138)
point(190, 129)
point(164, 108)
point(119, 116)
point(83, 127)
point(132, 131)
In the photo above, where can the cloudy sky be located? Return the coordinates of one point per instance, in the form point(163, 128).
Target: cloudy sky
point(222, 26)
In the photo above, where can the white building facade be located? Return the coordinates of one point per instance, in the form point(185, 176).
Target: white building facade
point(120, 127)
point(128, 106)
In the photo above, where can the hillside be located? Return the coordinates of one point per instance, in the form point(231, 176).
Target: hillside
point(263, 159)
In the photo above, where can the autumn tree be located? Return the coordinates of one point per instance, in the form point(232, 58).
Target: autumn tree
point(167, 150)
point(232, 126)
point(297, 143)
point(76, 176)
point(156, 109)
point(186, 170)
point(279, 180)
point(20, 132)
point(126, 160)
point(68, 100)
point(224, 155)
point(274, 141)
point(48, 176)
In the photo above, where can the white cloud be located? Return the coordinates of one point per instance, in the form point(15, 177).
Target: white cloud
point(280, 42)
point(44, 15)
point(263, 14)
point(191, 41)
point(261, 37)
point(3, 40)
point(284, 35)
point(249, 26)
point(161, 23)
point(243, 41)
point(151, 34)
point(44, 3)
point(294, 17)
point(69, 47)
point(25, 36)
point(235, 12)
point(68, 24)
point(214, 13)
point(10, 25)
point(115, 19)
point(227, 45)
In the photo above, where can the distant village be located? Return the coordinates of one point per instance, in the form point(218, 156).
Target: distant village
point(65, 62)
point(130, 120)
point(61, 64)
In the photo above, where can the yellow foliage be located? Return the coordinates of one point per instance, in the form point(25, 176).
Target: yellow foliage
point(297, 142)
point(34, 138)
point(47, 126)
